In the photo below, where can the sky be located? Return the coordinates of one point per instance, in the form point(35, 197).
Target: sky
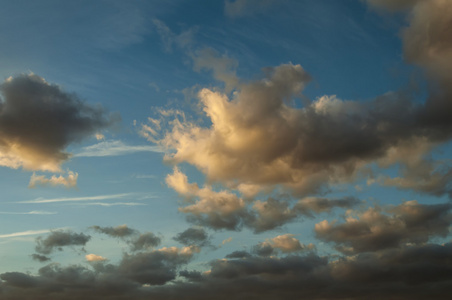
point(247, 149)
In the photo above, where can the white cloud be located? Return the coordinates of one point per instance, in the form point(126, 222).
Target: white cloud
point(114, 148)
point(70, 181)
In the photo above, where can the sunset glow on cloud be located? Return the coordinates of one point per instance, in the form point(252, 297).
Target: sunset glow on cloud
point(230, 149)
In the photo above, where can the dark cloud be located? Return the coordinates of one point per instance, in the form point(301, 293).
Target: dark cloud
point(136, 240)
point(156, 267)
point(311, 205)
point(120, 231)
point(192, 236)
point(59, 239)
point(375, 230)
point(38, 120)
point(413, 272)
point(144, 241)
point(40, 258)
point(238, 254)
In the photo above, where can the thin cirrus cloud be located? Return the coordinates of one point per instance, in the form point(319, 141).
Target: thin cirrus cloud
point(114, 148)
point(24, 233)
point(77, 199)
point(33, 212)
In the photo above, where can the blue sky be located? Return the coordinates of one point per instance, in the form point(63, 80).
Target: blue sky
point(283, 148)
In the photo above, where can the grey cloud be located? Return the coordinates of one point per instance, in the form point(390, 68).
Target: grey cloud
point(310, 205)
point(375, 230)
point(154, 268)
point(40, 258)
point(415, 272)
point(144, 241)
point(192, 236)
point(120, 231)
point(59, 239)
point(41, 120)
point(136, 240)
point(238, 254)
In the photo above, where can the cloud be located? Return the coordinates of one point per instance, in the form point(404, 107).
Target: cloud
point(192, 236)
point(156, 267)
point(59, 239)
point(416, 271)
point(373, 229)
point(258, 139)
point(77, 199)
point(218, 210)
point(38, 120)
point(240, 8)
point(24, 233)
point(120, 231)
point(310, 205)
point(40, 258)
point(285, 243)
point(222, 67)
point(33, 212)
point(136, 240)
point(169, 38)
point(94, 257)
point(70, 181)
point(144, 241)
point(114, 148)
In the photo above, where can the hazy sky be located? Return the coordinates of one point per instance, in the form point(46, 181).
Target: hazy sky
point(247, 149)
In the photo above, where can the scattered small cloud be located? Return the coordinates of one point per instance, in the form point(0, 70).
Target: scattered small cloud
point(70, 181)
point(94, 257)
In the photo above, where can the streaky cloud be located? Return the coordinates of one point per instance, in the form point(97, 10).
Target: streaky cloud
point(114, 148)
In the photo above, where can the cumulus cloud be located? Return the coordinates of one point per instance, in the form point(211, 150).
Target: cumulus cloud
point(144, 241)
point(415, 271)
point(94, 257)
point(59, 239)
point(156, 267)
point(376, 229)
point(38, 120)
point(257, 139)
point(218, 210)
point(285, 243)
point(70, 181)
point(192, 236)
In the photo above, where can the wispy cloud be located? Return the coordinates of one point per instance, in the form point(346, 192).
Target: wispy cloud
point(24, 233)
point(76, 199)
point(113, 204)
point(114, 148)
point(33, 212)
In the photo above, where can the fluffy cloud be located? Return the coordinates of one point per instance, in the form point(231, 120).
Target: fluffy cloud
point(94, 257)
point(285, 243)
point(193, 236)
point(375, 229)
point(59, 239)
point(70, 181)
point(38, 120)
point(258, 139)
